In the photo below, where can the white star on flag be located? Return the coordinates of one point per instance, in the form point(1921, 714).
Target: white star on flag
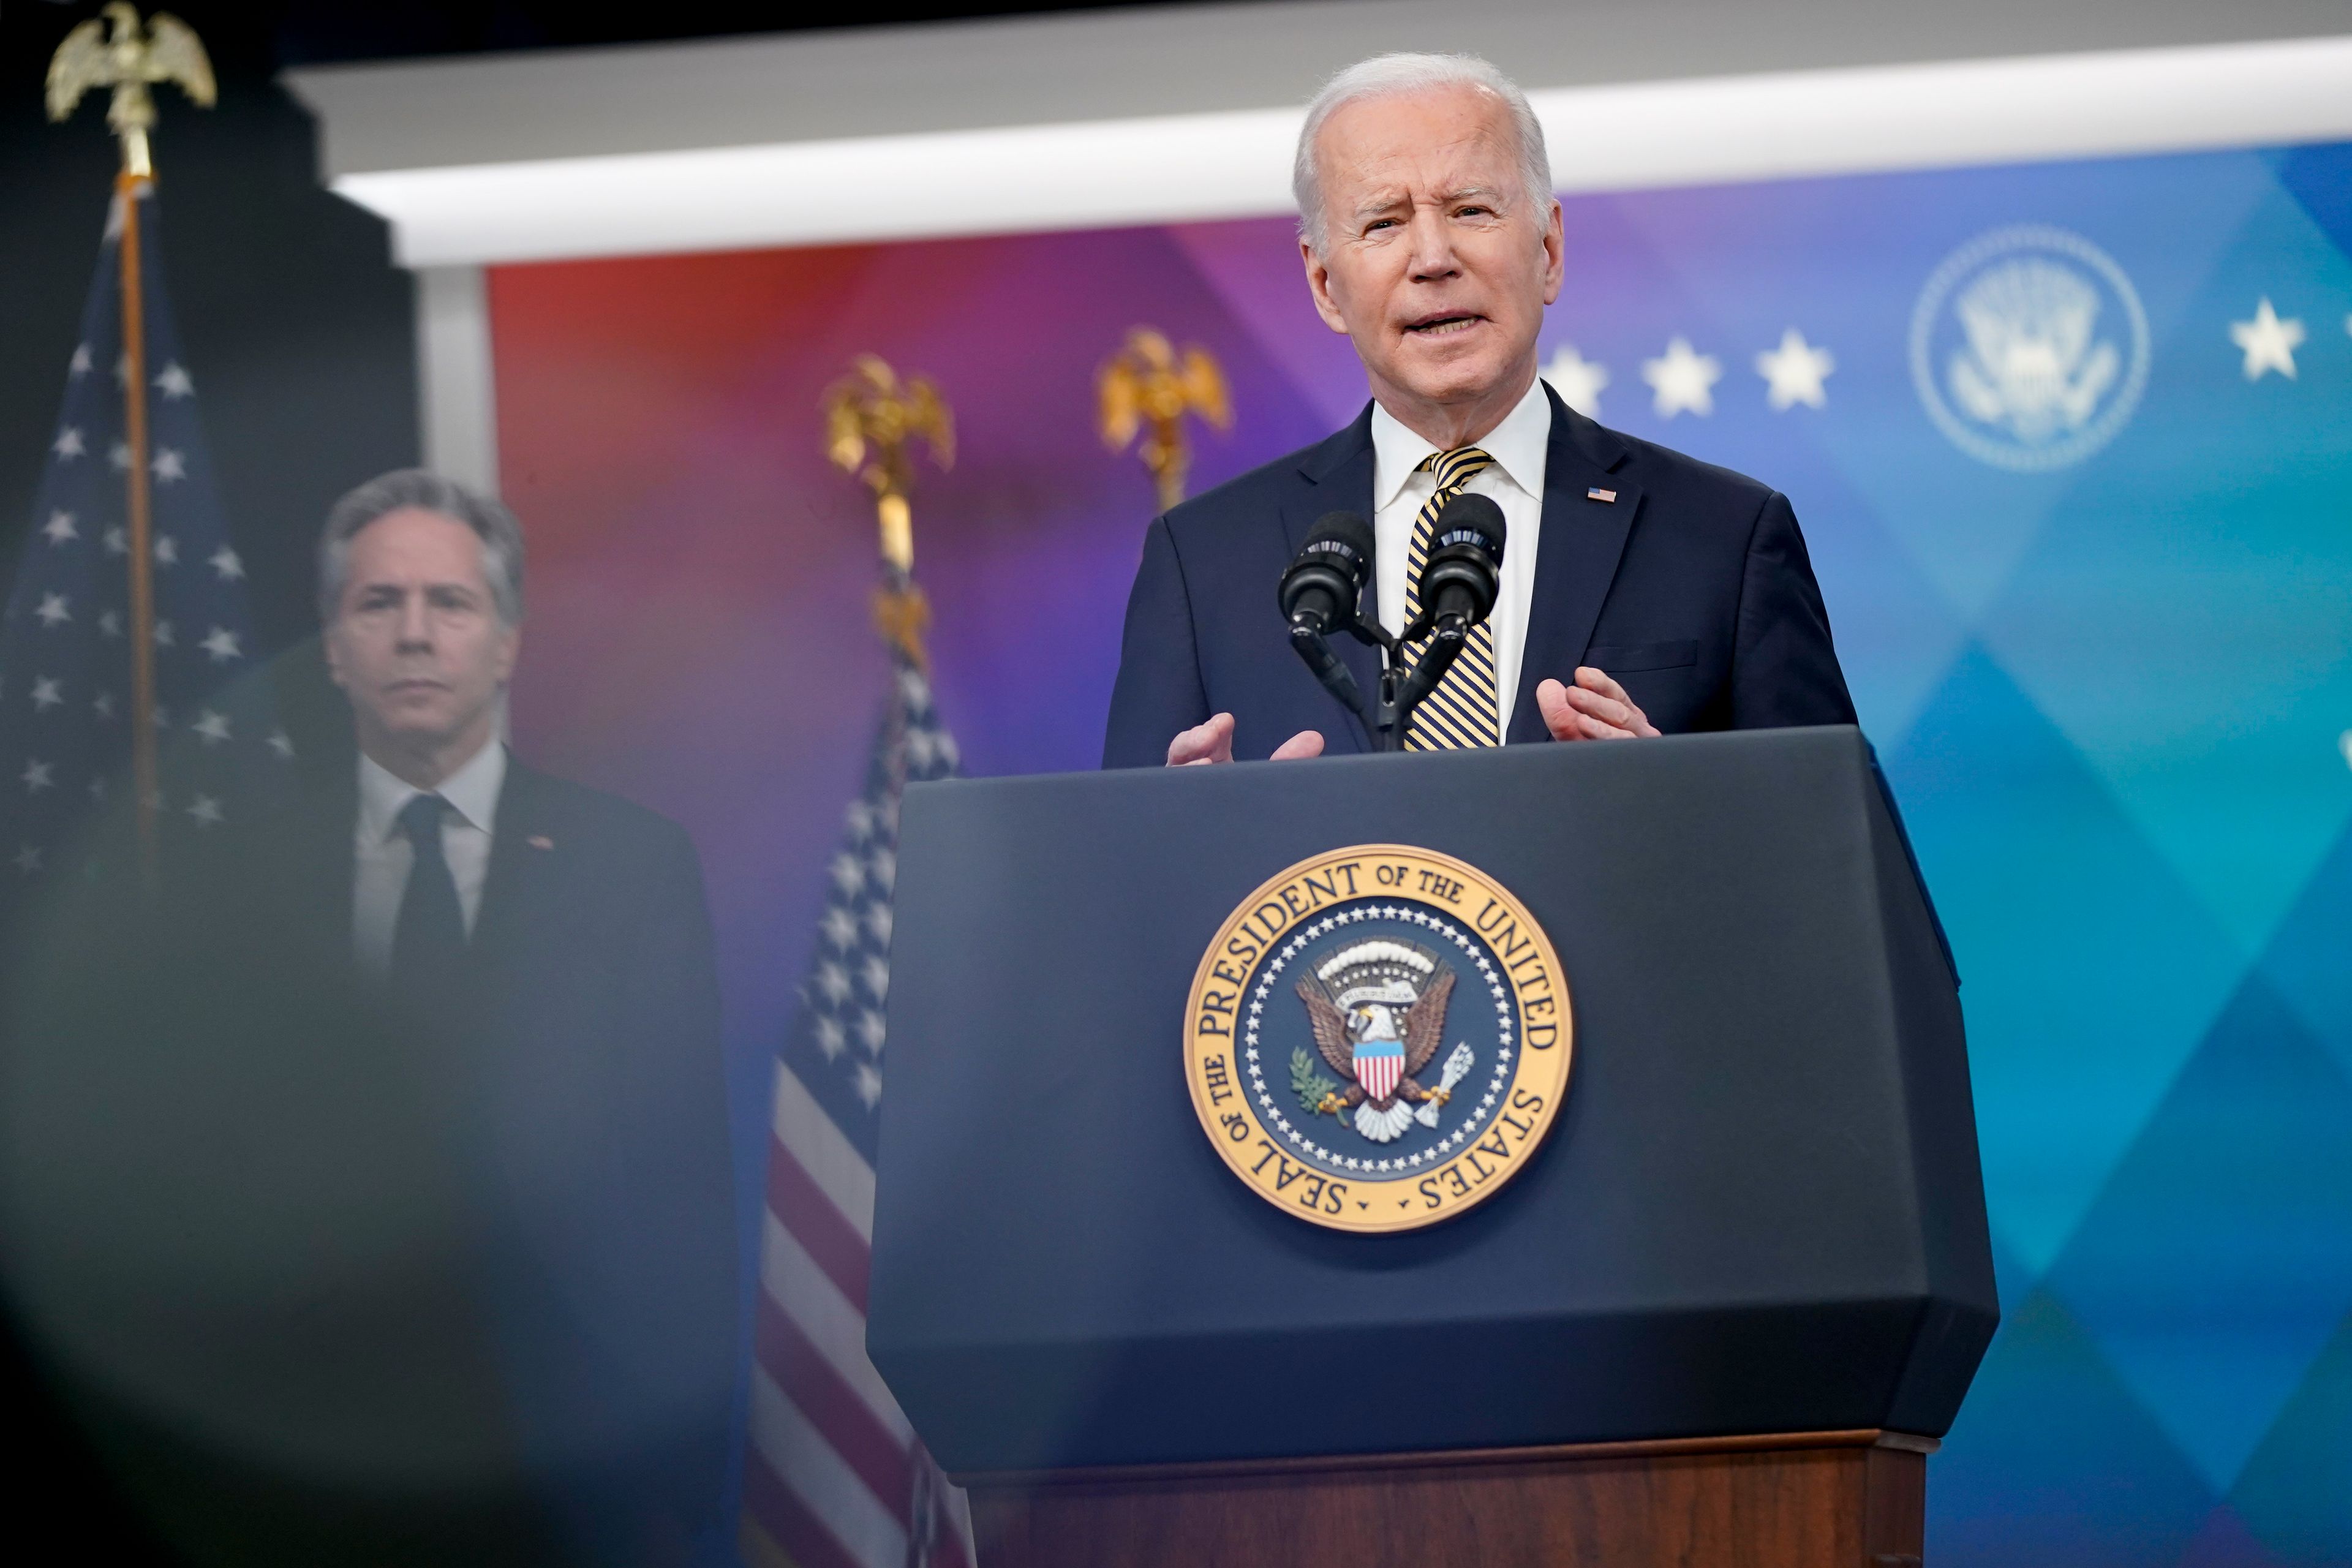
point(1682, 380)
point(226, 563)
point(1795, 371)
point(120, 456)
point(206, 810)
point(79, 366)
point(213, 726)
point(44, 693)
point(1578, 380)
point(168, 465)
point(68, 445)
point(281, 744)
point(167, 551)
point(110, 622)
point(61, 528)
point(37, 776)
point(117, 542)
point(103, 705)
point(164, 636)
point(162, 715)
point(52, 611)
point(2269, 341)
point(221, 642)
point(174, 381)
point(122, 370)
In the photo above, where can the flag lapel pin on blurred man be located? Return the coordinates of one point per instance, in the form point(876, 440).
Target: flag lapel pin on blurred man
point(835, 1475)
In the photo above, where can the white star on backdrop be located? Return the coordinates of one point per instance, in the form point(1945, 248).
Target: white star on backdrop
point(1578, 380)
point(225, 561)
point(164, 636)
point(46, 695)
point(53, 612)
point(167, 551)
point(206, 811)
point(117, 542)
point(221, 642)
point(68, 445)
point(120, 456)
point(1795, 371)
point(175, 382)
point(37, 776)
point(213, 726)
point(2269, 341)
point(1682, 380)
point(281, 744)
point(168, 465)
point(61, 528)
point(103, 705)
point(79, 366)
point(109, 624)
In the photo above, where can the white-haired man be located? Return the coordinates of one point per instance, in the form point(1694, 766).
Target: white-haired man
point(1642, 592)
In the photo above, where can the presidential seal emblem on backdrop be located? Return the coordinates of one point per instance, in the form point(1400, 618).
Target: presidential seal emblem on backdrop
point(2029, 348)
point(1378, 1038)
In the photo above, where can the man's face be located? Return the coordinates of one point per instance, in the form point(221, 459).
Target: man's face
point(416, 642)
point(1434, 263)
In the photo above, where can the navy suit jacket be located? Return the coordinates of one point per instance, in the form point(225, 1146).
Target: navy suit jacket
point(1692, 588)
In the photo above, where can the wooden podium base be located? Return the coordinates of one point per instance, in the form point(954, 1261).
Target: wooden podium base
point(1810, 1499)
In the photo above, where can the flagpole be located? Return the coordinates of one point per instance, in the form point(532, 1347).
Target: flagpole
point(118, 52)
point(127, 188)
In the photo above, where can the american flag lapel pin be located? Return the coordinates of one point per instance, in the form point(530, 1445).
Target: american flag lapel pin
point(1597, 493)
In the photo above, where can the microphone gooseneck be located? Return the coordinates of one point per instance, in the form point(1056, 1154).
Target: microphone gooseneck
point(1458, 584)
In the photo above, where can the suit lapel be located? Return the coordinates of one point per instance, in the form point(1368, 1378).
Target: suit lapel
point(522, 855)
point(1576, 558)
point(1338, 475)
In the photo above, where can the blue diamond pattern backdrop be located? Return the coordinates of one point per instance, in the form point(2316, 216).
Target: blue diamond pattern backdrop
point(2115, 699)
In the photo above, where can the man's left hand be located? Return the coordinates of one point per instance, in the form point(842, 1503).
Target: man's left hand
point(1595, 708)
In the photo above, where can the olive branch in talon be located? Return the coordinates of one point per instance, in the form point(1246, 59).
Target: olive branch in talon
point(1316, 1093)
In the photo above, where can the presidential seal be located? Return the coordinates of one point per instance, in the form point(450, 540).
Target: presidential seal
point(2029, 348)
point(1378, 1038)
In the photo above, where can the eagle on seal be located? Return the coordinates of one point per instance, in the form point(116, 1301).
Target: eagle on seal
point(1378, 1013)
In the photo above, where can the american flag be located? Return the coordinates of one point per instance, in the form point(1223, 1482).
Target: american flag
point(65, 645)
point(834, 1477)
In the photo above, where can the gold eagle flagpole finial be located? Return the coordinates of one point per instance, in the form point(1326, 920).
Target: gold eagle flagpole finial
point(872, 420)
point(113, 50)
point(1146, 386)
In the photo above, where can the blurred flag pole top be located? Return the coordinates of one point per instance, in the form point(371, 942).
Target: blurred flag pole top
point(872, 420)
point(1145, 386)
point(113, 50)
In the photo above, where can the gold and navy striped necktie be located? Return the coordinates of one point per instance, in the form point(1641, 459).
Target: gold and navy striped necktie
point(1462, 710)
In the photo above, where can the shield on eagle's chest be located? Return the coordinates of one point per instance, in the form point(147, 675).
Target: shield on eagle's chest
point(1379, 1065)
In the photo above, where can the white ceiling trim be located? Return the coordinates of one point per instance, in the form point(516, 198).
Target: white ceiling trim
point(1235, 163)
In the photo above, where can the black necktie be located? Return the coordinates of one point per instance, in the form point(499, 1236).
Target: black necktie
point(430, 935)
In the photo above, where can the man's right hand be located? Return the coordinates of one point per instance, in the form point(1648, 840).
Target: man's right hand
point(1213, 742)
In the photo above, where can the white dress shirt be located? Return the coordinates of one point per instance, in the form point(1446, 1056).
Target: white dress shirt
point(1519, 446)
point(383, 854)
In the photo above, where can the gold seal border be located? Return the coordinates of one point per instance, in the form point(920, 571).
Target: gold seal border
point(1215, 1074)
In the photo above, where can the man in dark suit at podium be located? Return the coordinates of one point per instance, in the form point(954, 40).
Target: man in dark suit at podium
point(1640, 593)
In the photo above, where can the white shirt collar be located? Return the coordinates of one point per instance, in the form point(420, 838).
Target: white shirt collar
point(472, 791)
point(1519, 446)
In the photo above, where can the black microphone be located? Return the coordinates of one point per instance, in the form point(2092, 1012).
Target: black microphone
point(1321, 588)
point(1458, 582)
point(1319, 593)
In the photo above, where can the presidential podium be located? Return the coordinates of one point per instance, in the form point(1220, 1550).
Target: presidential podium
point(1718, 1316)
